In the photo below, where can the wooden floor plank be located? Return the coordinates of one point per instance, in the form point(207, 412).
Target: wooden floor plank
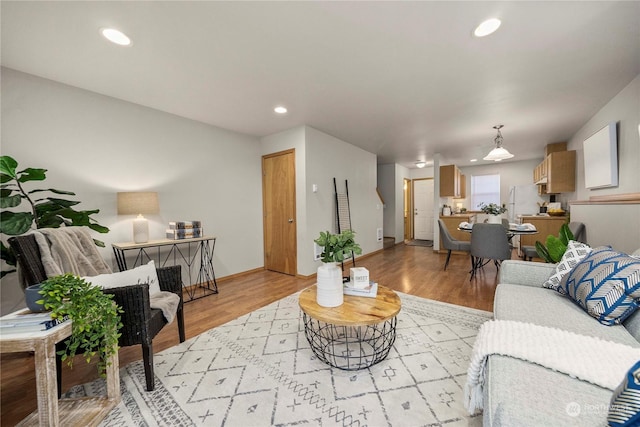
point(413, 270)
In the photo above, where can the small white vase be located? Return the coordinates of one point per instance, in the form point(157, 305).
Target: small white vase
point(329, 285)
point(495, 219)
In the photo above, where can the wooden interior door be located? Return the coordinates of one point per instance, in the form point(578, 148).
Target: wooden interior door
point(408, 216)
point(279, 212)
point(423, 209)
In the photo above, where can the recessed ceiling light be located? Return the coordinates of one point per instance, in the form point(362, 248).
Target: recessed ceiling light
point(115, 36)
point(487, 27)
point(280, 110)
point(420, 164)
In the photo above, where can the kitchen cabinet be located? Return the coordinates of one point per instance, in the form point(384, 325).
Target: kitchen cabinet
point(545, 225)
point(451, 182)
point(556, 173)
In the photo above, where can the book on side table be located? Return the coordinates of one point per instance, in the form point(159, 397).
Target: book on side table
point(26, 321)
point(370, 291)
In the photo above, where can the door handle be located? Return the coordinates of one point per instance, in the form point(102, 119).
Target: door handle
point(290, 220)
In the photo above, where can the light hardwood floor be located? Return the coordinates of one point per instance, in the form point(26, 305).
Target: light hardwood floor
point(413, 270)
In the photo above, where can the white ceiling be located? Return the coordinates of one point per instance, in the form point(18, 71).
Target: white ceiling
point(403, 80)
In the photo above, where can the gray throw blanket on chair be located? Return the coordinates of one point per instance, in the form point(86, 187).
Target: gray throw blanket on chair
point(72, 250)
point(69, 250)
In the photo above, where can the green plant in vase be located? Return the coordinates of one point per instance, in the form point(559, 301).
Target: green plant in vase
point(492, 208)
point(95, 317)
point(335, 247)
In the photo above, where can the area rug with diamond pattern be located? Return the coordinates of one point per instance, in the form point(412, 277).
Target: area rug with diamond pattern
point(258, 370)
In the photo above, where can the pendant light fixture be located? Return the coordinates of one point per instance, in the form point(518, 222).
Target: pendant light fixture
point(498, 153)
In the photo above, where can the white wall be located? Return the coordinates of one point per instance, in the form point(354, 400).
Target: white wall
point(327, 158)
point(615, 225)
point(96, 146)
point(387, 188)
point(320, 158)
point(511, 173)
point(625, 109)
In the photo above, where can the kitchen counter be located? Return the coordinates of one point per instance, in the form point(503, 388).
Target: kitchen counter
point(545, 224)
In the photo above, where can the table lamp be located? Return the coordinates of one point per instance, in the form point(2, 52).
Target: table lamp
point(138, 203)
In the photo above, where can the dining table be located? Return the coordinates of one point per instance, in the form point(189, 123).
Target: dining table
point(512, 230)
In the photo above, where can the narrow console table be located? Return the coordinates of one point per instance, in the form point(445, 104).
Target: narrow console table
point(83, 412)
point(185, 250)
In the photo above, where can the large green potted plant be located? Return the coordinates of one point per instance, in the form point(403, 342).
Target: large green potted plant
point(44, 211)
point(335, 248)
point(555, 246)
point(95, 317)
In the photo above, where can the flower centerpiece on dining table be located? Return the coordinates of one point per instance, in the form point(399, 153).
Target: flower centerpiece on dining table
point(494, 211)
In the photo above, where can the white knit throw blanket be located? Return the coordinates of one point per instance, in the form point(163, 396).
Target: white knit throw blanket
point(590, 359)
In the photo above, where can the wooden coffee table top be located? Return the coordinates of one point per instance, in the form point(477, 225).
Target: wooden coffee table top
point(355, 311)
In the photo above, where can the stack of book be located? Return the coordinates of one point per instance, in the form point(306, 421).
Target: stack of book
point(184, 230)
point(23, 322)
point(370, 291)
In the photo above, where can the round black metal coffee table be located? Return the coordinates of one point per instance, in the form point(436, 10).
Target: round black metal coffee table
point(355, 335)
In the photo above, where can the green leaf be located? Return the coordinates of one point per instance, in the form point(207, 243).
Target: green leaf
point(62, 202)
point(10, 202)
point(99, 228)
point(32, 174)
point(565, 234)
point(53, 190)
point(543, 252)
point(8, 166)
point(14, 224)
point(556, 248)
point(5, 272)
point(7, 254)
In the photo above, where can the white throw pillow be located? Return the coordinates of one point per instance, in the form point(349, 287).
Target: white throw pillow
point(142, 274)
point(575, 252)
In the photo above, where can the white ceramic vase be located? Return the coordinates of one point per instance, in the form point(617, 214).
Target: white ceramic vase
point(495, 219)
point(329, 285)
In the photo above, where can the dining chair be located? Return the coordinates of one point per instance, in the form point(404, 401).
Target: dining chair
point(488, 242)
point(448, 242)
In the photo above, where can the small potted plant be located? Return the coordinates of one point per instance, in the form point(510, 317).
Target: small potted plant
point(335, 248)
point(494, 211)
point(95, 317)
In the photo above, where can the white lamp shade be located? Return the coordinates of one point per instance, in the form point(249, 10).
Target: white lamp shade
point(497, 154)
point(138, 202)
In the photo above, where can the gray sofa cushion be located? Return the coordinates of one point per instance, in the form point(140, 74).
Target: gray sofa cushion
point(633, 324)
point(546, 307)
point(525, 273)
point(522, 394)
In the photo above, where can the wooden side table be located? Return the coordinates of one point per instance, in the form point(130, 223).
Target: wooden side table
point(51, 411)
point(355, 335)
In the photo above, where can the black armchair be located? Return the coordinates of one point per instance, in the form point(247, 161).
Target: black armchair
point(140, 322)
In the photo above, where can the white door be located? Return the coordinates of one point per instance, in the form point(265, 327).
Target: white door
point(423, 209)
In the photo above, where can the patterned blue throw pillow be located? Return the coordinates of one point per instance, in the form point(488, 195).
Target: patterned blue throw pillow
point(624, 410)
point(606, 284)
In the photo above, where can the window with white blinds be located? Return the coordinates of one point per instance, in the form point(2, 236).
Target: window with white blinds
point(485, 189)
